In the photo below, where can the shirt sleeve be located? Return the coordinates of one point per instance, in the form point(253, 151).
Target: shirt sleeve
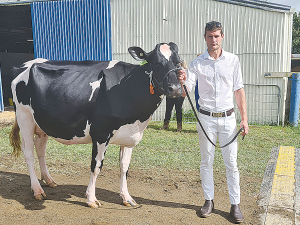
point(237, 76)
point(191, 77)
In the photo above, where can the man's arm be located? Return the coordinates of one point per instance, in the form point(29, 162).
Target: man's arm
point(241, 103)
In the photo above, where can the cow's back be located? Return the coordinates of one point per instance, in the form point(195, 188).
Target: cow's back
point(61, 95)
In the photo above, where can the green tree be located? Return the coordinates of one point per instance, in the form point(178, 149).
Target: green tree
point(296, 34)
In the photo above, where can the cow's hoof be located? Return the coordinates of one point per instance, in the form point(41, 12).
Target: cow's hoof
point(40, 196)
point(131, 203)
point(94, 205)
point(52, 184)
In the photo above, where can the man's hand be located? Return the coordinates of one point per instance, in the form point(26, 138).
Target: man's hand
point(182, 76)
point(245, 126)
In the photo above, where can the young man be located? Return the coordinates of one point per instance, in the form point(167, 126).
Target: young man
point(219, 76)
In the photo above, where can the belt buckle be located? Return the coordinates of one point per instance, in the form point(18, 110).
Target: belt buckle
point(217, 114)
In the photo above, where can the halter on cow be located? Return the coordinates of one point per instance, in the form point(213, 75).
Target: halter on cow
point(90, 102)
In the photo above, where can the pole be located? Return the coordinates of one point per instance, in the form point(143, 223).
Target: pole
point(295, 99)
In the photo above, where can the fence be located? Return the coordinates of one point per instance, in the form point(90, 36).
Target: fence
point(263, 106)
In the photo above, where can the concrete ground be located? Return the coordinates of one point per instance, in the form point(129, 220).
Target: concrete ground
point(280, 189)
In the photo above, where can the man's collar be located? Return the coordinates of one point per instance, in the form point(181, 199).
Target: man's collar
point(207, 56)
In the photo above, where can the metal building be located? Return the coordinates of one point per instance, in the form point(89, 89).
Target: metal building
point(259, 32)
point(55, 30)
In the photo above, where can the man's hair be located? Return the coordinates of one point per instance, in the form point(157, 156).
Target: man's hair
point(213, 26)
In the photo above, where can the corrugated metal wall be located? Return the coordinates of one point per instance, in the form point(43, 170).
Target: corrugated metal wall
point(261, 39)
point(72, 30)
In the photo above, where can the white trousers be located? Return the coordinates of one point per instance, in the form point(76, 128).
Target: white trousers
point(223, 128)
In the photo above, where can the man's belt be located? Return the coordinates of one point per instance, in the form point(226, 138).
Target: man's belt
point(220, 114)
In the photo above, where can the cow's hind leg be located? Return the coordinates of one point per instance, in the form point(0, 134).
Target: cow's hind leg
point(96, 166)
point(27, 127)
point(40, 143)
point(125, 156)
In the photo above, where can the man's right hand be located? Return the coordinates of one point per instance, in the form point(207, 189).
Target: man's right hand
point(182, 76)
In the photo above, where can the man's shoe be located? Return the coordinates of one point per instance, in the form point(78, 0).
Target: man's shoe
point(236, 214)
point(207, 208)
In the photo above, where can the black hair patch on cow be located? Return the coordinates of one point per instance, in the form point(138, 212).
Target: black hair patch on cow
point(22, 93)
point(124, 103)
point(174, 47)
point(94, 155)
point(61, 96)
point(115, 75)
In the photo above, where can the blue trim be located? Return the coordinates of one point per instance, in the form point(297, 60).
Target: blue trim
point(197, 96)
point(1, 95)
point(74, 30)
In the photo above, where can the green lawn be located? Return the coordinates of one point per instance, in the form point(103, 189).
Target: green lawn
point(176, 151)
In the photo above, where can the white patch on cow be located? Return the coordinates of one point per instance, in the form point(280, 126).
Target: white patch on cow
point(165, 50)
point(112, 64)
point(95, 85)
point(129, 135)
point(31, 62)
point(78, 140)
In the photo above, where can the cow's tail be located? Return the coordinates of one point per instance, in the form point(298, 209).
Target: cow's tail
point(14, 138)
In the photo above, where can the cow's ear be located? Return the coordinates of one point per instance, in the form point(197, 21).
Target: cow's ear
point(137, 53)
point(173, 46)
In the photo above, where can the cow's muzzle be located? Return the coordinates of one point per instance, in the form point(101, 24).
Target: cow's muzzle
point(171, 85)
point(173, 90)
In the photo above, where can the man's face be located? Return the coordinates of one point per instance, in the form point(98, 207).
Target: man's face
point(213, 40)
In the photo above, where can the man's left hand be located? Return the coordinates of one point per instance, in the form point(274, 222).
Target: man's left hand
point(246, 128)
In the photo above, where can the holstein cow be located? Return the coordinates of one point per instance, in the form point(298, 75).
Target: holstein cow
point(90, 102)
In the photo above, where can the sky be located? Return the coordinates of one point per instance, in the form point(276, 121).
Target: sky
point(292, 3)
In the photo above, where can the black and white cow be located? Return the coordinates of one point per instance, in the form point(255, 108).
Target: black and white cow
point(90, 102)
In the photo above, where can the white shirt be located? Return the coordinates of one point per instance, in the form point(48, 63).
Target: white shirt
point(217, 80)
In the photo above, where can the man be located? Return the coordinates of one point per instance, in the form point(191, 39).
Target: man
point(218, 74)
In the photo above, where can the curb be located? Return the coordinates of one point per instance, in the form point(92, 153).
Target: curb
point(280, 190)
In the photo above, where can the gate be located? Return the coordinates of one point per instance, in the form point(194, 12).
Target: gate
point(263, 104)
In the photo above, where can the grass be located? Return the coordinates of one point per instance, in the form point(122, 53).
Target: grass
point(170, 150)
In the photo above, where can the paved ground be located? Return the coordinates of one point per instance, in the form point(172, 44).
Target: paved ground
point(280, 190)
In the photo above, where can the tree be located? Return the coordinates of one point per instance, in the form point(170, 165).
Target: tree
point(296, 34)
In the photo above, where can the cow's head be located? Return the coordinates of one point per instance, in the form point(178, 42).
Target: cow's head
point(165, 63)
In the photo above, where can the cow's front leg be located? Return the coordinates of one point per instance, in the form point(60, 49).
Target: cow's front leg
point(96, 166)
point(125, 156)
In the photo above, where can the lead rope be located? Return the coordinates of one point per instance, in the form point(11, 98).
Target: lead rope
point(193, 108)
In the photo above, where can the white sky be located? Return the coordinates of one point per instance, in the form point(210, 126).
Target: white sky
point(292, 3)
